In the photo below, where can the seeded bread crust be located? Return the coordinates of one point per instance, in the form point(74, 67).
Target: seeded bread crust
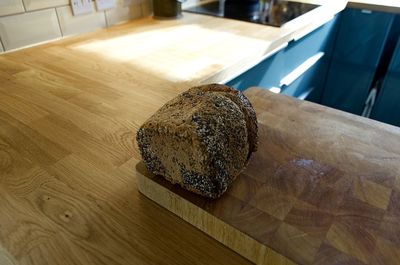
point(201, 139)
point(244, 104)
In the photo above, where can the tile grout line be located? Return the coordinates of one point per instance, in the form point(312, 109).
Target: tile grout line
point(107, 24)
point(45, 8)
point(23, 5)
point(2, 45)
point(59, 24)
point(105, 17)
point(32, 11)
point(141, 9)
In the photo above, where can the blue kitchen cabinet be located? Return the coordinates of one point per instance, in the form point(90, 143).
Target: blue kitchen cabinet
point(387, 107)
point(266, 74)
point(395, 63)
point(309, 85)
point(274, 69)
point(362, 36)
point(320, 40)
point(356, 54)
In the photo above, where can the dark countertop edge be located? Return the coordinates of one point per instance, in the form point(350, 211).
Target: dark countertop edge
point(374, 7)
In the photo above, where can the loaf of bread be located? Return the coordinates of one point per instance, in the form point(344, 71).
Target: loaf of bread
point(202, 139)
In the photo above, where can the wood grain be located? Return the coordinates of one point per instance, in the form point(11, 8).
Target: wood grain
point(323, 188)
point(69, 111)
point(68, 119)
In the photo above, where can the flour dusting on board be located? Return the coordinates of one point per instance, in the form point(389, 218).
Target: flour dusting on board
point(312, 166)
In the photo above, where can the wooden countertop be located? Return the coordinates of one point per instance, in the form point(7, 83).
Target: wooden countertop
point(323, 188)
point(196, 48)
point(69, 111)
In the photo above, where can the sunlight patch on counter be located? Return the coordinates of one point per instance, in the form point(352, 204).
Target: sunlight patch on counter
point(178, 53)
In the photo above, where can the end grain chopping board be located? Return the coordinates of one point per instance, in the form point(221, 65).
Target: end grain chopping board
point(323, 188)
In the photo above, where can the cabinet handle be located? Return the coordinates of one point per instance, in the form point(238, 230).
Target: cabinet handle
point(300, 70)
point(275, 90)
point(266, 56)
point(366, 11)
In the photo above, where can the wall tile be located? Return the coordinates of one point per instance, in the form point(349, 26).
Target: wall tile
point(147, 8)
point(123, 13)
point(71, 24)
point(190, 3)
point(21, 30)
point(130, 2)
point(40, 23)
point(40, 4)
point(8, 7)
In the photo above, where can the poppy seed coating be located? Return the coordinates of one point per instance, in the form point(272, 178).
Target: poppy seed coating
point(202, 139)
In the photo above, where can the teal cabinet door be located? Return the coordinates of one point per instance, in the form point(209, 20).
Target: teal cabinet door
point(319, 43)
point(266, 74)
point(387, 107)
point(309, 85)
point(270, 72)
point(358, 48)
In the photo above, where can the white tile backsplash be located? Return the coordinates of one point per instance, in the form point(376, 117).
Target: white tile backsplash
point(130, 2)
point(190, 3)
point(8, 7)
point(29, 28)
point(28, 22)
point(147, 7)
point(71, 24)
point(41, 4)
point(121, 12)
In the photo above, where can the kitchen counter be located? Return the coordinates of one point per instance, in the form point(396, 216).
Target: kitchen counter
point(197, 48)
point(392, 6)
point(69, 112)
point(322, 188)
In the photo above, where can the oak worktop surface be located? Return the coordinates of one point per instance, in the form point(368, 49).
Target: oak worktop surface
point(69, 112)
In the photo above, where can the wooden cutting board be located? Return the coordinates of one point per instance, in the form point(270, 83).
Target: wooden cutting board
point(323, 188)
